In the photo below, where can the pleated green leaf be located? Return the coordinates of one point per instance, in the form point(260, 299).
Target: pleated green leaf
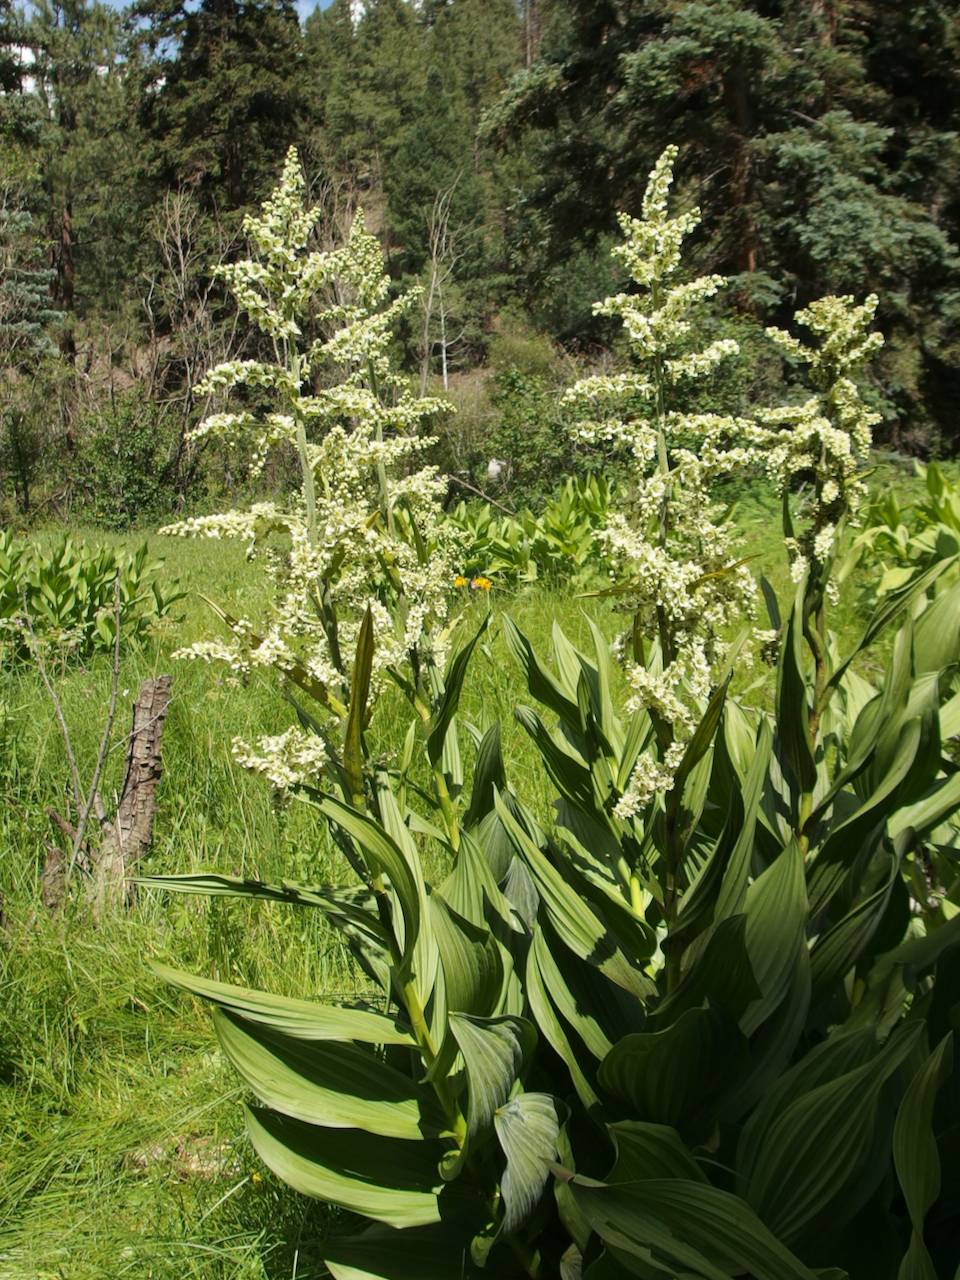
point(541, 682)
point(344, 906)
point(338, 1085)
point(776, 911)
point(472, 967)
point(647, 1150)
point(494, 1051)
point(384, 857)
point(553, 1029)
point(793, 706)
point(528, 1128)
point(488, 775)
point(450, 698)
point(662, 1076)
point(386, 1179)
point(818, 1157)
point(303, 1019)
point(915, 1155)
point(439, 1252)
point(694, 1228)
point(577, 924)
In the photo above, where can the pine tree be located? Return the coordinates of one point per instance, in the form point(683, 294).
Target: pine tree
point(223, 94)
point(84, 154)
point(27, 318)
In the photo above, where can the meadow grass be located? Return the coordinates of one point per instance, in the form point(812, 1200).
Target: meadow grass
point(122, 1148)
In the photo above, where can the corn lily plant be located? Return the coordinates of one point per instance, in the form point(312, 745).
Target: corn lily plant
point(707, 1036)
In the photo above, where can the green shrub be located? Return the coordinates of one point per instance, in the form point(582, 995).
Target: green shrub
point(68, 596)
point(561, 545)
point(529, 433)
point(906, 540)
point(127, 463)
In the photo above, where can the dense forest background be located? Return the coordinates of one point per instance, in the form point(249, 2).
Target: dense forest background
point(490, 144)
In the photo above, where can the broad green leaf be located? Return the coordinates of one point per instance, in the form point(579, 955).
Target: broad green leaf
point(303, 1019)
point(528, 1128)
point(696, 1228)
point(771, 602)
point(837, 950)
point(696, 749)
point(494, 1051)
point(541, 683)
point(893, 604)
point(553, 1030)
point(721, 973)
point(664, 1075)
point(915, 1154)
point(425, 957)
point(386, 1179)
point(647, 1150)
point(840, 1053)
point(818, 1159)
point(450, 698)
point(776, 911)
point(595, 1007)
point(609, 721)
point(927, 813)
point(336, 903)
point(732, 896)
point(356, 717)
point(488, 775)
point(578, 925)
point(384, 857)
point(439, 1252)
point(472, 968)
point(335, 1084)
point(568, 772)
point(793, 706)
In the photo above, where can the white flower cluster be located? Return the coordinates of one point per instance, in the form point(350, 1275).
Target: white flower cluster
point(649, 776)
point(672, 551)
point(825, 439)
point(284, 760)
point(365, 530)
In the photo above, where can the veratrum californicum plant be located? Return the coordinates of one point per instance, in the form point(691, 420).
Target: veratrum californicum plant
point(674, 555)
point(364, 530)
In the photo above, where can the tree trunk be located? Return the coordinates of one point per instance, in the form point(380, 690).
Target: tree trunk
point(127, 837)
point(736, 92)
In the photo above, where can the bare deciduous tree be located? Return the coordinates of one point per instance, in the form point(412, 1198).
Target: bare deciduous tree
point(444, 254)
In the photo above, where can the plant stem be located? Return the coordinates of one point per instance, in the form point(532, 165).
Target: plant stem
point(295, 364)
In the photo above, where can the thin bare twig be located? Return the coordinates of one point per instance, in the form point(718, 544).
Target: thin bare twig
point(93, 797)
point(465, 484)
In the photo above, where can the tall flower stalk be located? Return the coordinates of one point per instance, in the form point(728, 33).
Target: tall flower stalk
point(675, 561)
point(820, 446)
point(363, 533)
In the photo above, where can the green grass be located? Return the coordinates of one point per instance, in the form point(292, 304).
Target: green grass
point(121, 1144)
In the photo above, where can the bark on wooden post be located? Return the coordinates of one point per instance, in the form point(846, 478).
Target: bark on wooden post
point(127, 836)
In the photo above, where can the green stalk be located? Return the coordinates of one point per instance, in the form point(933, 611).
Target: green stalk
point(295, 364)
point(444, 799)
point(416, 1016)
point(381, 468)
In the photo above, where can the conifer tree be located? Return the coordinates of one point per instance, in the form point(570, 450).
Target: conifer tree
point(223, 94)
